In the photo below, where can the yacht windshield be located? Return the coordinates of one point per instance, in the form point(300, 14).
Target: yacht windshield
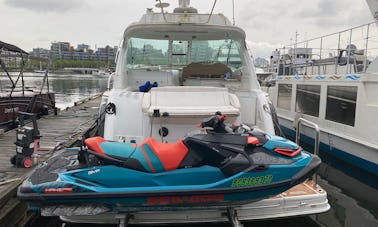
point(147, 52)
point(152, 52)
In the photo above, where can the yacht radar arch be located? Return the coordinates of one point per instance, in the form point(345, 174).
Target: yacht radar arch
point(183, 8)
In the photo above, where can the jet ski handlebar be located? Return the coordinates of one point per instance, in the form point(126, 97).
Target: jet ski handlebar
point(216, 124)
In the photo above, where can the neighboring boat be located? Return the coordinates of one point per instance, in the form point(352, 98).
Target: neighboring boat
point(174, 69)
point(16, 97)
point(40, 70)
point(266, 78)
point(101, 72)
point(333, 81)
point(203, 171)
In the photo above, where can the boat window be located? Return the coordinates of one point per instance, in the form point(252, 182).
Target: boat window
point(154, 52)
point(341, 104)
point(284, 96)
point(226, 51)
point(146, 52)
point(308, 99)
point(179, 52)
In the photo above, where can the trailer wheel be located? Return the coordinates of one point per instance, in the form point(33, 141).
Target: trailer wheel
point(27, 162)
point(13, 160)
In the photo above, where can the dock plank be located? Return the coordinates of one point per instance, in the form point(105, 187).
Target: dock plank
point(64, 128)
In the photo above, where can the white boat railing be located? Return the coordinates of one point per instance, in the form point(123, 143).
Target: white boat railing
point(352, 48)
point(302, 121)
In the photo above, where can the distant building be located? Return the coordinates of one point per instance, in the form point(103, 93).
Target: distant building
point(64, 51)
point(261, 62)
point(59, 50)
point(40, 53)
point(83, 48)
point(106, 54)
point(12, 59)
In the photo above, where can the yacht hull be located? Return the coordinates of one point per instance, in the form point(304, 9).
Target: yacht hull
point(351, 153)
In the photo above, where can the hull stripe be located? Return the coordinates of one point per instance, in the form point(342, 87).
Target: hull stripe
point(148, 160)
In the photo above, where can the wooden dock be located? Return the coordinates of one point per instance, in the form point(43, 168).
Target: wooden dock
point(63, 130)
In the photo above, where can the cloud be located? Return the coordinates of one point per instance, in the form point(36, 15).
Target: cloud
point(262, 49)
point(320, 9)
point(268, 24)
point(278, 21)
point(329, 13)
point(46, 5)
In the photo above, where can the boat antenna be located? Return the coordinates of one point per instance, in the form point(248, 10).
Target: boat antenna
point(212, 10)
point(162, 5)
point(233, 12)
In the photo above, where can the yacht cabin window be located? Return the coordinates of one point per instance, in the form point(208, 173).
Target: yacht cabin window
point(308, 99)
point(284, 96)
point(341, 104)
point(179, 52)
point(144, 53)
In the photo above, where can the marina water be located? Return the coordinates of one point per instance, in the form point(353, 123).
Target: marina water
point(353, 202)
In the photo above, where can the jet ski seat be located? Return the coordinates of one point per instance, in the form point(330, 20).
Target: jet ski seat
point(148, 156)
point(170, 154)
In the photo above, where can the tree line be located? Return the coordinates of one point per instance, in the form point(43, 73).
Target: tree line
point(61, 64)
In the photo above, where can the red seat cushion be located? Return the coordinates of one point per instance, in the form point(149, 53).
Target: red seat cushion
point(93, 143)
point(170, 154)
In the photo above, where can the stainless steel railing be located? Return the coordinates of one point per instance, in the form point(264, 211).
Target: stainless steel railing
point(302, 121)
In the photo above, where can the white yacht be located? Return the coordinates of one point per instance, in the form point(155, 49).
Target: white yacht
point(200, 64)
point(333, 81)
point(173, 70)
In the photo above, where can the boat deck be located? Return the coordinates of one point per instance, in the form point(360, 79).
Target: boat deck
point(63, 130)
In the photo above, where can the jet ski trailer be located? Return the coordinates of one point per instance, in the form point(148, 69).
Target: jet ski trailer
point(303, 199)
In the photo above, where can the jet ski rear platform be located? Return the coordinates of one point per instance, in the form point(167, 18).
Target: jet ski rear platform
point(303, 199)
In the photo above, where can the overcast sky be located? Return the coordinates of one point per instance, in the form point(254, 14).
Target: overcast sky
point(268, 23)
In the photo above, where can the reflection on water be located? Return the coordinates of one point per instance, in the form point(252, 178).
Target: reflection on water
point(347, 210)
point(68, 88)
point(352, 193)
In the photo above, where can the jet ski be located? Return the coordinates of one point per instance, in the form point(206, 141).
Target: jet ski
point(222, 166)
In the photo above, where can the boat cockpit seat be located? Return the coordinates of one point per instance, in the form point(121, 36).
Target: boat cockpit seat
point(138, 77)
point(215, 70)
point(191, 101)
point(149, 156)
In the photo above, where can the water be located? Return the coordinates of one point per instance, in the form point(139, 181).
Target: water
point(353, 203)
point(67, 88)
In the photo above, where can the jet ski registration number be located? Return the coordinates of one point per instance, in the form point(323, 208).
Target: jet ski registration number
point(251, 181)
